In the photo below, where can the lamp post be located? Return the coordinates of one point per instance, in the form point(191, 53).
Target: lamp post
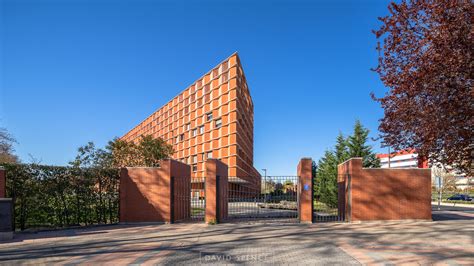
point(264, 185)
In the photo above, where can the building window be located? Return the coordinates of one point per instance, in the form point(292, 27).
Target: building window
point(209, 155)
point(195, 159)
point(218, 123)
point(201, 129)
point(187, 127)
point(209, 116)
point(224, 78)
point(181, 137)
point(177, 139)
point(224, 67)
point(195, 167)
point(195, 131)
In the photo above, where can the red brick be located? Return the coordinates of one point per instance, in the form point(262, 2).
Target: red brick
point(216, 191)
point(383, 194)
point(229, 100)
point(145, 192)
point(305, 210)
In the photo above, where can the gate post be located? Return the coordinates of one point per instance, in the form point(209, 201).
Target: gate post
point(7, 223)
point(216, 189)
point(3, 183)
point(305, 191)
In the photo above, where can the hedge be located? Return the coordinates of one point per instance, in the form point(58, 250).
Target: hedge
point(57, 196)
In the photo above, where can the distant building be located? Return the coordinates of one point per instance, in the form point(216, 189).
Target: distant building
point(402, 159)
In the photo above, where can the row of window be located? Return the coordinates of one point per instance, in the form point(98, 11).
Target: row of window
point(218, 72)
point(194, 132)
point(193, 160)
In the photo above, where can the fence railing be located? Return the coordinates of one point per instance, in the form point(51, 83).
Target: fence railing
point(56, 196)
point(274, 197)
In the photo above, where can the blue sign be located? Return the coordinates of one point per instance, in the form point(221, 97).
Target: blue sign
point(306, 187)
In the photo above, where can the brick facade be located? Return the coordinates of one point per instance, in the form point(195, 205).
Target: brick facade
point(147, 193)
point(383, 194)
point(212, 118)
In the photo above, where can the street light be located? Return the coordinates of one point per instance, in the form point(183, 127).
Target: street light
point(265, 170)
point(264, 185)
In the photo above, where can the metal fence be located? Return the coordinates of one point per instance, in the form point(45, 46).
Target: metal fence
point(329, 199)
point(272, 198)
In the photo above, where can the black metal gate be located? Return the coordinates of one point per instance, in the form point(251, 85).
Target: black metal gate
point(328, 200)
point(270, 198)
point(198, 199)
point(189, 200)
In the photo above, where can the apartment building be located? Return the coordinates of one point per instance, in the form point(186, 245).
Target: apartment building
point(402, 159)
point(212, 118)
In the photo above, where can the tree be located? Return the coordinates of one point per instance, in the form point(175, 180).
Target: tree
point(426, 62)
point(341, 149)
point(326, 179)
point(153, 150)
point(6, 147)
point(289, 187)
point(325, 171)
point(148, 152)
point(123, 153)
point(448, 180)
point(357, 146)
point(89, 156)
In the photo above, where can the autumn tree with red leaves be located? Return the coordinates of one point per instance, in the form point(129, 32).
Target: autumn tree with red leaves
point(426, 62)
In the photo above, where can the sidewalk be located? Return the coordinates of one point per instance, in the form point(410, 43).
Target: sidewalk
point(435, 203)
point(442, 242)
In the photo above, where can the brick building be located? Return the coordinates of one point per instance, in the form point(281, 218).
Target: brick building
point(212, 118)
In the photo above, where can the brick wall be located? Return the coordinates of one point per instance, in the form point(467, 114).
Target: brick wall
point(383, 194)
point(146, 192)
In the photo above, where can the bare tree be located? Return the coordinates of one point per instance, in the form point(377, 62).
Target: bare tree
point(448, 180)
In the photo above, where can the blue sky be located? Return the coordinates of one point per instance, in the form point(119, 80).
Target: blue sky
point(79, 71)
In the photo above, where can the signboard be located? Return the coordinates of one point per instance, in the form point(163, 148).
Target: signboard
point(438, 181)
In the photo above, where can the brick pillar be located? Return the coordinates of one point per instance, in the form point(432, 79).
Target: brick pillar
point(305, 190)
point(216, 186)
point(3, 183)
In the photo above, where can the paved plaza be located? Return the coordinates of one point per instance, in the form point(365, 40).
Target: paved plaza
point(443, 242)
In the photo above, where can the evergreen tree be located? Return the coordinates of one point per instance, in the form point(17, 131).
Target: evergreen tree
point(326, 177)
point(341, 149)
point(314, 167)
point(357, 146)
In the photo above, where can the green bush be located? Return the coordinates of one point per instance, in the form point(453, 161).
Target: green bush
point(57, 196)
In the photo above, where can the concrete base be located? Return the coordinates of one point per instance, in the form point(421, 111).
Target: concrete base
point(4, 236)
